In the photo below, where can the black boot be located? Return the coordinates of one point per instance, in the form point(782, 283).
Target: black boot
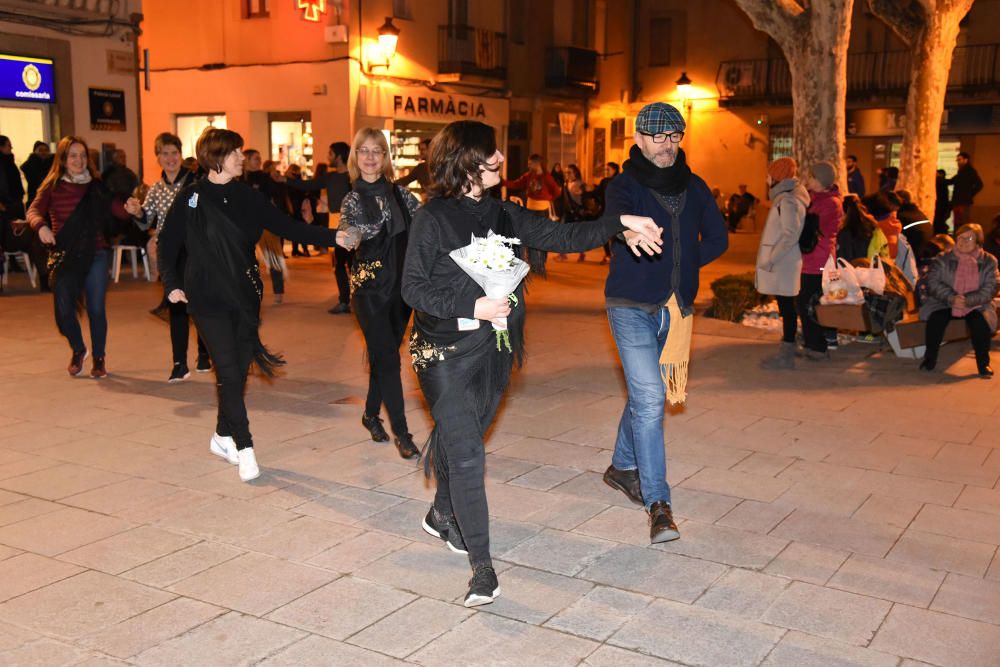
point(405, 446)
point(374, 426)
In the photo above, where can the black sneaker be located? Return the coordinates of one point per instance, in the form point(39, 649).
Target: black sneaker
point(180, 373)
point(483, 587)
point(204, 364)
point(340, 308)
point(375, 427)
point(445, 529)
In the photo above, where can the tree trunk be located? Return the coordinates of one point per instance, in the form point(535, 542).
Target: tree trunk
point(814, 39)
point(930, 29)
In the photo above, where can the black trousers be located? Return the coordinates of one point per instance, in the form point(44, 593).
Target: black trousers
point(813, 333)
point(231, 349)
point(789, 318)
point(341, 267)
point(979, 332)
point(383, 329)
point(180, 329)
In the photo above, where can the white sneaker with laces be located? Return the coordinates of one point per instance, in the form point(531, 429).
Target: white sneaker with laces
point(248, 464)
point(224, 446)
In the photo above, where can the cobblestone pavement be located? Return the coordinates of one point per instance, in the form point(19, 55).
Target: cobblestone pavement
point(846, 513)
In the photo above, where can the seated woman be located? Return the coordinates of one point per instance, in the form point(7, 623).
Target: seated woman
point(961, 283)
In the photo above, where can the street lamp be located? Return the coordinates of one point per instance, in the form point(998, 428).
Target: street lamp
point(684, 89)
point(388, 35)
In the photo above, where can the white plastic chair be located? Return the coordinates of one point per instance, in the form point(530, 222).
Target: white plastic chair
point(134, 253)
point(25, 260)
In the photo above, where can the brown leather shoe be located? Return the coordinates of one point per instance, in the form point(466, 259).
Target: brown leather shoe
point(661, 523)
point(626, 481)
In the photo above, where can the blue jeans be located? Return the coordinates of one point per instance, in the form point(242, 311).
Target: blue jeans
point(640, 338)
point(95, 287)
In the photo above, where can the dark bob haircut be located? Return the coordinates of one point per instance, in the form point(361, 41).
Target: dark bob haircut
point(457, 153)
point(214, 145)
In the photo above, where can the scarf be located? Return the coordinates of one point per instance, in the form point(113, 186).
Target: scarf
point(966, 278)
point(676, 353)
point(79, 179)
point(369, 193)
point(668, 181)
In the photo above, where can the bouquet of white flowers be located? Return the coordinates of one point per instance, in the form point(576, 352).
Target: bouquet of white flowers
point(492, 264)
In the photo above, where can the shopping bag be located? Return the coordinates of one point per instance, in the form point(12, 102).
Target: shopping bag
point(872, 277)
point(840, 283)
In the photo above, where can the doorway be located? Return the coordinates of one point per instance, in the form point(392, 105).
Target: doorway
point(24, 124)
point(291, 139)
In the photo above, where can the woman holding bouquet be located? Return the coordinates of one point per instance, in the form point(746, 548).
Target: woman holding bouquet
point(380, 210)
point(462, 367)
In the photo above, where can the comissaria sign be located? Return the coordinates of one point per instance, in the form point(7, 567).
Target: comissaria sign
point(26, 79)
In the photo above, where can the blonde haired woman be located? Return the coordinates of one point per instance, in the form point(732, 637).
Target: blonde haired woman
point(381, 211)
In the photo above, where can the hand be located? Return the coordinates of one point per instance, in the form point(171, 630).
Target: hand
point(46, 236)
point(491, 309)
point(644, 235)
point(177, 296)
point(133, 207)
point(958, 301)
point(349, 238)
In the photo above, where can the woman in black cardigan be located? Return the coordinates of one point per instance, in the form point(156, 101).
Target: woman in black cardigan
point(218, 221)
point(379, 211)
point(462, 370)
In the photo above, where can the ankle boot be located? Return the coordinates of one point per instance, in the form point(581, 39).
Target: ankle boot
point(405, 446)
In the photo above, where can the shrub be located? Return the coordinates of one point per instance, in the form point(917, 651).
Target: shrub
point(733, 294)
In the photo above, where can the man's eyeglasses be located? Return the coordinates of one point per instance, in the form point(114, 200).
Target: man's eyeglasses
point(675, 137)
point(374, 152)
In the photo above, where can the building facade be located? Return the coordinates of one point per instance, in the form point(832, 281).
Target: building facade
point(69, 67)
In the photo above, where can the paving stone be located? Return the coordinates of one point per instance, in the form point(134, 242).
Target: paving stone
point(424, 619)
point(964, 524)
point(182, 500)
point(948, 471)
point(559, 552)
point(940, 639)
point(544, 508)
point(546, 477)
point(889, 580)
point(826, 474)
point(701, 506)
point(115, 497)
point(12, 636)
point(599, 613)
point(505, 535)
point(488, 639)
point(127, 550)
point(942, 553)
point(151, 628)
point(42, 652)
point(806, 562)
point(612, 656)
point(630, 526)
point(500, 468)
point(743, 593)
point(833, 614)
point(822, 498)
point(698, 636)
point(253, 583)
point(702, 453)
point(725, 545)
point(342, 608)
point(884, 509)
point(737, 484)
point(533, 596)
point(347, 504)
point(82, 604)
point(227, 519)
point(27, 572)
point(182, 564)
point(57, 532)
point(910, 488)
point(431, 571)
point(590, 486)
point(653, 572)
point(838, 532)
point(754, 516)
point(233, 639)
point(801, 650)
point(969, 597)
point(316, 651)
point(355, 553)
point(60, 481)
point(299, 539)
point(979, 500)
point(551, 452)
point(761, 463)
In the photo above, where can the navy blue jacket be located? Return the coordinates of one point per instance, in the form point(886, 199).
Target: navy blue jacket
point(703, 238)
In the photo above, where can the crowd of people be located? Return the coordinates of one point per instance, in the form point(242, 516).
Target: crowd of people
point(810, 221)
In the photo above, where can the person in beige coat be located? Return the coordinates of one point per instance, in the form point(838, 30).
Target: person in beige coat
point(779, 261)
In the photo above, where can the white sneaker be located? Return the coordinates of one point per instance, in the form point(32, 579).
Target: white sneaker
point(248, 464)
point(224, 446)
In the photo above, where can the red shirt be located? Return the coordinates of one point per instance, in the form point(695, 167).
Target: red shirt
point(539, 186)
point(53, 206)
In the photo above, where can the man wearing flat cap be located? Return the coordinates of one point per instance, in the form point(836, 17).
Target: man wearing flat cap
point(650, 302)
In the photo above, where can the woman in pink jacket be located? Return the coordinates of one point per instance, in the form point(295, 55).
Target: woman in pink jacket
point(828, 204)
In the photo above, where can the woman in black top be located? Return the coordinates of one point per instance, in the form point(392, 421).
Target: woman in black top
point(380, 211)
point(462, 370)
point(217, 222)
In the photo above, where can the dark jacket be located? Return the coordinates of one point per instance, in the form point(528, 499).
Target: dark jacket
point(703, 238)
point(967, 185)
point(941, 278)
point(856, 183)
point(336, 183)
point(11, 190)
point(917, 228)
point(35, 169)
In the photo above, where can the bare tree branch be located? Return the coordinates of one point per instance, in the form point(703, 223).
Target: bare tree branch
point(906, 18)
point(778, 18)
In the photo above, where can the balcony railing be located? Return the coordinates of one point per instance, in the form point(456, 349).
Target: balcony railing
point(571, 68)
point(871, 75)
point(472, 51)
